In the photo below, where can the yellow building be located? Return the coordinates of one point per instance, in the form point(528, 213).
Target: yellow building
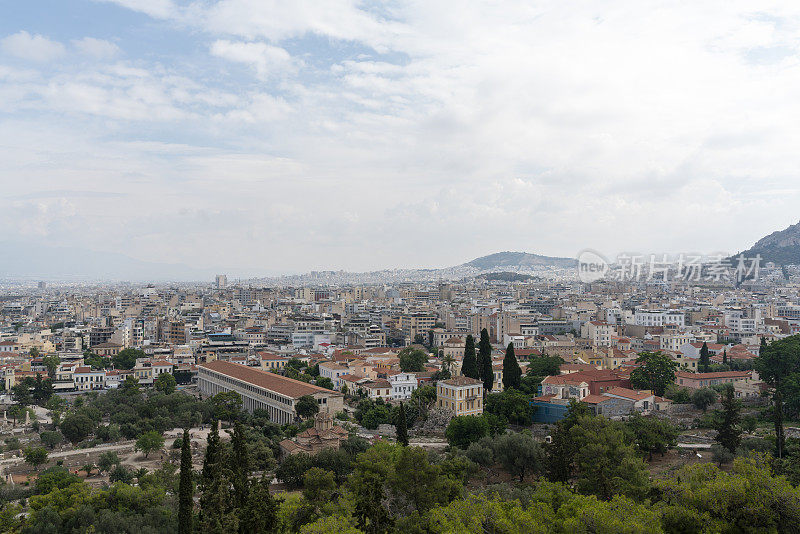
point(461, 395)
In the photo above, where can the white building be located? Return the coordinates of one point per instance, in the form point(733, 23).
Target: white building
point(675, 340)
point(599, 332)
point(644, 317)
point(86, 378)
point(403, 384)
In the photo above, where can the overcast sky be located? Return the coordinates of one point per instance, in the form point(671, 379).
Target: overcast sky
point(252, 135)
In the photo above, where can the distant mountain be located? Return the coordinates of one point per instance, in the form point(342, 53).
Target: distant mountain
point(519, 260)
point(32, 261)
point(782, 248)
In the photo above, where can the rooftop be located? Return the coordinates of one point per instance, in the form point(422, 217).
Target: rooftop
point(279, 384)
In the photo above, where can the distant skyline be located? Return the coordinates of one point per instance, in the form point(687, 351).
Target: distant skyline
point(251, 136)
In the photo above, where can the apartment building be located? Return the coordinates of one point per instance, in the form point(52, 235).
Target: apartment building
point(643, 317)
point(461, 395)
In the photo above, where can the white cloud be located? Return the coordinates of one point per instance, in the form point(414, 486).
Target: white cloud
point(155, 8)
point(32, 47)
point(541, 126)
point(264, 58)
point(96, 48)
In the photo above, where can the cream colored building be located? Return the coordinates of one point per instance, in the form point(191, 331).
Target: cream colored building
point(461, 395)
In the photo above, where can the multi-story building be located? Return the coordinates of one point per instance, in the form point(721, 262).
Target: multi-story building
point(403, 384)
point(643, 317)
point(461, 395)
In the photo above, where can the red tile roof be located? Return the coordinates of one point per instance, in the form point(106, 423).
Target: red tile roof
point(279, 384)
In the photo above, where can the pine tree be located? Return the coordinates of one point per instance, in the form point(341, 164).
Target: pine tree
point(469, 366)
point(241, 467)
point(485, 362)
point(402, 427)
point(185, 488)
point(511, 371)
point(704, 359)
point(729, 432)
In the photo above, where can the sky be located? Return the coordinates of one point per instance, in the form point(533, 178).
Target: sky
point(259, 136)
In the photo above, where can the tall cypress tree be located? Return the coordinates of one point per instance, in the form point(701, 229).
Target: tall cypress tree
point(469, 365)
point(729, 432)
point(511, 371)
point(241, 467)
point(185, 488)
point(215, 499)
point(725, 356)
point(211, 464)
point(485, 361)
point(705, 362)
point(402, 427)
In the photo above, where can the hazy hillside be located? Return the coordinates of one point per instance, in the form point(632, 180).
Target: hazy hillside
point(782, 247)
point(519, 260)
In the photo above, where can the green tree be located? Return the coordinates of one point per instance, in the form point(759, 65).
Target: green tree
point(412, 359)
point(51, 362)
point(469, 365)
point(544, 365)
point(108, 460)
point(50, 438)
point(447, 362)
point(511, 370)
point(261, 512)
point(705, 360)
point(485, 362)
point(21, 393)
point(42, 390)
point(778, 364)
point(185, 487)
point(240, 467)
point(605, 461)
point(721, 455)
point(76, 427)
point(519, 454)
point(465, 429)
point(655, 372)
point(653, 434)
point(54, 478)
point(126, 358)
point(165, 383)
point(35, 456)
point(149, 441)
point(324, 382)
point(226, 405)
point(318, 485)
point(424, 396)
point(725, 357)
point(401, 426)
point(729, 431)
point(306, 406)
point(561, 449)
point(216, 512)
point(292, 469)
point(511, 405)
point(703, 398)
